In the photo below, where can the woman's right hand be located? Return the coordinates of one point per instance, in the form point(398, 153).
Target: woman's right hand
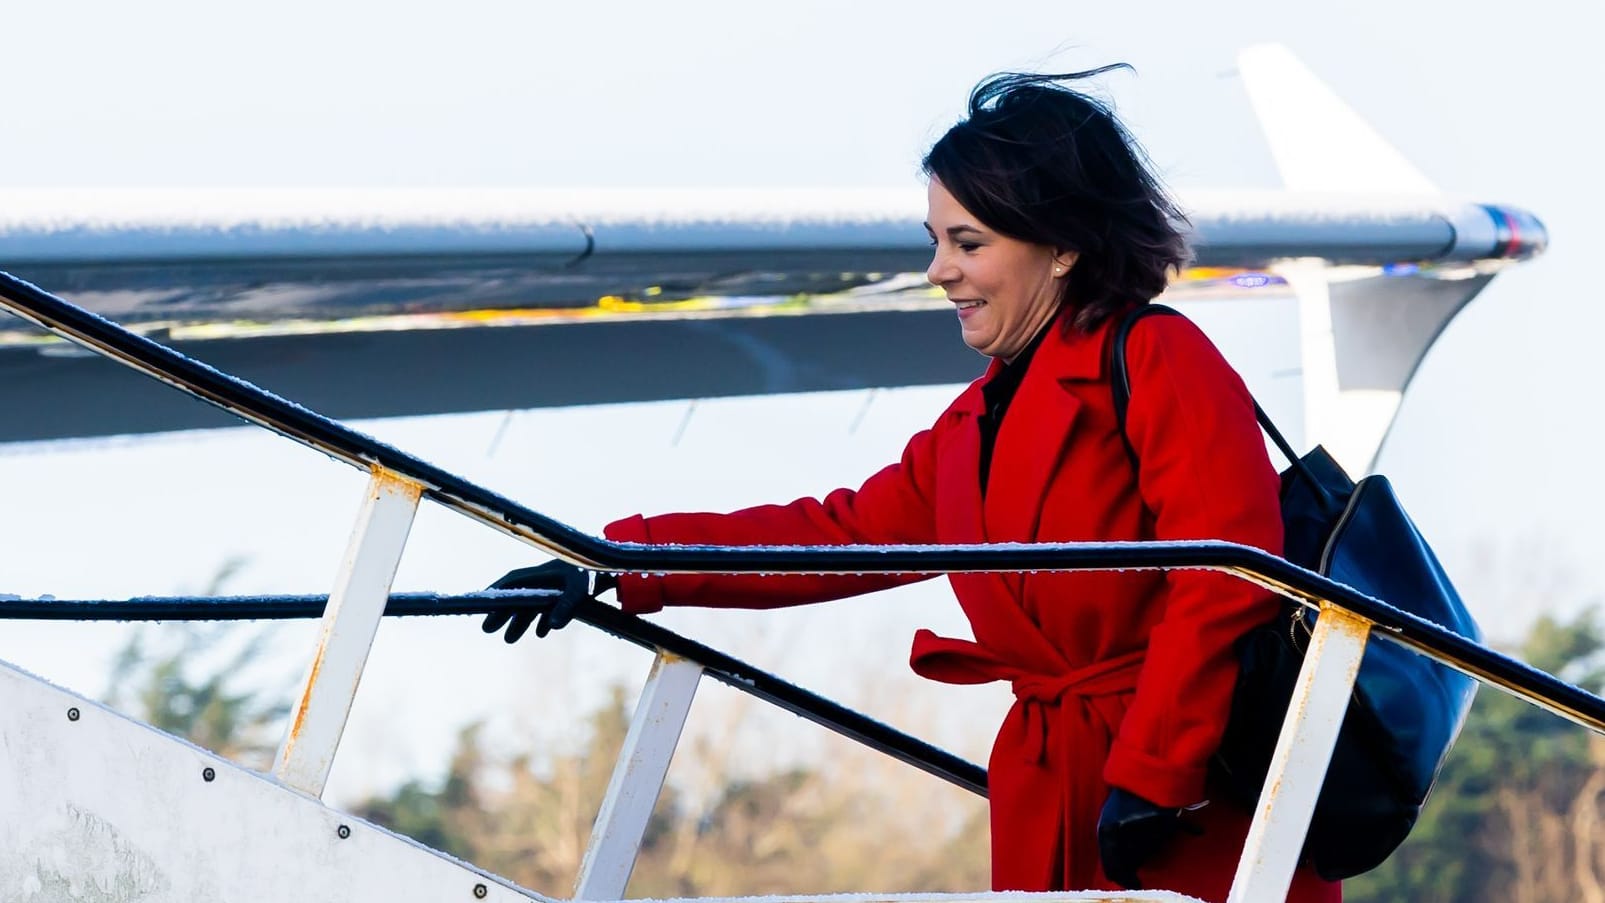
point(573, 584)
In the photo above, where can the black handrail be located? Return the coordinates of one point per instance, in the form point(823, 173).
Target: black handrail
point(343, 443)
point(727, 670)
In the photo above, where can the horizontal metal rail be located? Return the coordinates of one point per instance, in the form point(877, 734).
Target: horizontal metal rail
point(263, 608)
point(345, 444)
point(727, 670)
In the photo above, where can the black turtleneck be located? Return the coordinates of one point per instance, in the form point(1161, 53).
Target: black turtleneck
point(997, 393)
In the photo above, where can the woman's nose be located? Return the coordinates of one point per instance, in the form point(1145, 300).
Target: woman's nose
point(940, 272)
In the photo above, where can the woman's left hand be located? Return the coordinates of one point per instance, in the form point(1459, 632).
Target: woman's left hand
point(1131, 831)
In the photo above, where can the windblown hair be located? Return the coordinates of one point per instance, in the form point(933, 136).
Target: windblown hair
point(1040, 162)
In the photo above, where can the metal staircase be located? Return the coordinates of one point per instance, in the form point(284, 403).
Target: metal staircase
point(95, 806)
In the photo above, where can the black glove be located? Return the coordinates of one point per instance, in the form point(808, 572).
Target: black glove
point(573, 581)
point(1131, 831)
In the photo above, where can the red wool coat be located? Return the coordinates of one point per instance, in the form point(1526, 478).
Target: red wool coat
point(1121, 679)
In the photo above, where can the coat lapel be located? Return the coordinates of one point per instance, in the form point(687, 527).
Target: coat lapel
point(995, 615)
point(1040, 424)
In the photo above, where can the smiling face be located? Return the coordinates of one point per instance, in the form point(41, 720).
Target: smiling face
point(1005, 290)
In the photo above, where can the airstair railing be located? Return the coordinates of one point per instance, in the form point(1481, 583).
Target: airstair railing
point(361, 596)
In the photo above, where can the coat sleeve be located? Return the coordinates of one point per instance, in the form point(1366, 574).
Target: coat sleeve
point(895, 506)
point(1204, 474)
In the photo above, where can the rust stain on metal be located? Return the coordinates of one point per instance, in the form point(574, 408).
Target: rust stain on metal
point(305, 702)
point(1341, 622)
point(1272, 791)
point(395, 482)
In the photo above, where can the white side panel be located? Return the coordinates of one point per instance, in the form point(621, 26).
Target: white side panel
point(97, 807)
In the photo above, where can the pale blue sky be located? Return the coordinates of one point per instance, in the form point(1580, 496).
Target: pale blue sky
point(1493, 446)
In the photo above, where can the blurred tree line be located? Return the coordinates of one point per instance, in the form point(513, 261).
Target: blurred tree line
point(1515, 816)
point(788, 831)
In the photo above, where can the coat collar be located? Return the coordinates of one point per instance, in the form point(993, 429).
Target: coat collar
point(1040, 425)
point(1064, 356)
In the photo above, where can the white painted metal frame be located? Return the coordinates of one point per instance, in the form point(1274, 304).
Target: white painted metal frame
point(638, 777)
point(1303, 751)
point(349, 624)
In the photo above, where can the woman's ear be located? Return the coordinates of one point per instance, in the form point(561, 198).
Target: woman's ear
point(1063, 261)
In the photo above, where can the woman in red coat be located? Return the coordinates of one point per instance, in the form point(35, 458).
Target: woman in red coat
point(1046, 227)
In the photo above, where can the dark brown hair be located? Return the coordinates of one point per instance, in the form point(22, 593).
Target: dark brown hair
point(1037, 161)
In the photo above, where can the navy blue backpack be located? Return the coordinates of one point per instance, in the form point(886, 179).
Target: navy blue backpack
point(1406, 709)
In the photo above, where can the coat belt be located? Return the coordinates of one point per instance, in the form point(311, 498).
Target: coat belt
point(1037, 691)
point(1079, 728)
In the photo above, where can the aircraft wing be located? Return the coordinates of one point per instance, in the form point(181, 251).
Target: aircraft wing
point(363, 304)
point(208, 256)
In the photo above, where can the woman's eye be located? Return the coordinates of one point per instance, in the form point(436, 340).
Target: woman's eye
point(968, 246)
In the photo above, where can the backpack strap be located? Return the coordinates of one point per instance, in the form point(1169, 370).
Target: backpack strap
point(1120, 375)
point(1120, 386)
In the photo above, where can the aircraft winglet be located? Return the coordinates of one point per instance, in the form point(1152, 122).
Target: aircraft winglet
point(1318, 141)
